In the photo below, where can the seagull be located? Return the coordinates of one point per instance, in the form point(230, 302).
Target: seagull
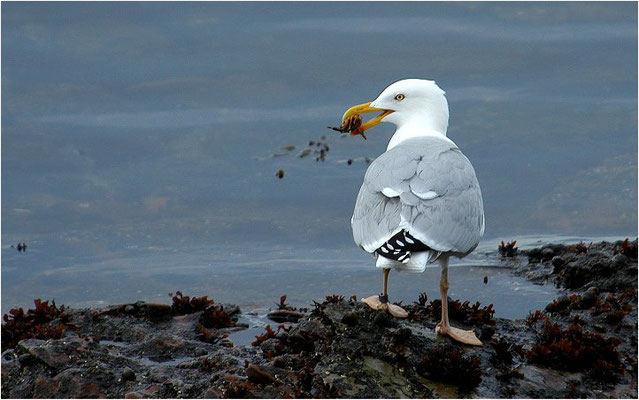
point(420, 202)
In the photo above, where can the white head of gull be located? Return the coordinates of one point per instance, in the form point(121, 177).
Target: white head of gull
point(420, 202)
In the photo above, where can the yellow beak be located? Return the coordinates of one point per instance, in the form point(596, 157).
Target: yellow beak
point(363, 109)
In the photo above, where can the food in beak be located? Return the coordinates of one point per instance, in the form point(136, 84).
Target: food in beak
point(350, 125)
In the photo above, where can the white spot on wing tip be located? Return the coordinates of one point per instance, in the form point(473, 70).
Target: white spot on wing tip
point(388, 192)
point(426, 195)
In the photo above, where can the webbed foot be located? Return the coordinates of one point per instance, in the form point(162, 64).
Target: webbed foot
point(373, 302)
point(376, 303)
point(462, 336)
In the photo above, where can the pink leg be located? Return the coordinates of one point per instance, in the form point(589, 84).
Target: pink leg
point(444, 328)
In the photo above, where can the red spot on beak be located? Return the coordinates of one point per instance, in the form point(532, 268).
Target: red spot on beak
point(357, 131)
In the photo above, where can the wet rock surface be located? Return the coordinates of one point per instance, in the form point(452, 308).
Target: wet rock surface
point(582, 344)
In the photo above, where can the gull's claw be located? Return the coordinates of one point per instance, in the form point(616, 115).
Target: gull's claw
point(465, 337)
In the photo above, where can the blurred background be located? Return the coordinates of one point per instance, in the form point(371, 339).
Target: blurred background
point(141, 141)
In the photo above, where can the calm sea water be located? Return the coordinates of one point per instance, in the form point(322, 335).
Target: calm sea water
point(256, 280)
point(140, 141)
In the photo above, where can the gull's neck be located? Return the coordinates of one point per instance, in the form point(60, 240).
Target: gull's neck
point(410, 131)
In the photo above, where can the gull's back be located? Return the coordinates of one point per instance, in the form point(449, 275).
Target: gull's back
point(427, 187)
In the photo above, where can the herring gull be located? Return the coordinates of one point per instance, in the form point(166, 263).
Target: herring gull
point(420, 202)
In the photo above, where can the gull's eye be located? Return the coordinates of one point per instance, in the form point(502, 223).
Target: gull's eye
point(400, 97)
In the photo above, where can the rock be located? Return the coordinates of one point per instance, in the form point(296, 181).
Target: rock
point(593, 289)
point(270, 346)
point(27, 359)
point(588, 299)
point(50, 354)
point(312, 329)
point(559, 305)
point(547, 253)
point(401, 335)
point(256, 374)
point(574, 275)
point(382, 319)
point(151, 390)
point(128, 374)
point(279, 362)
point(70, 383)
point(284, 316)
point(212, 393)
point(487, 332)
point(44, 388)
point(200, 351)
point(157, 312)
point(350, 318)
point(557, 262)
point(620, 261)
point(534, 254)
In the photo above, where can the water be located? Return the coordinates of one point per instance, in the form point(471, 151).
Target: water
point(256, 281)
point(138, 141)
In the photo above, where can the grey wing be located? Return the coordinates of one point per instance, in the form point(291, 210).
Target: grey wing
point(428, 189)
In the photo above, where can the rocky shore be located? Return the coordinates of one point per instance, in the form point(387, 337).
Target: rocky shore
point(581, 345)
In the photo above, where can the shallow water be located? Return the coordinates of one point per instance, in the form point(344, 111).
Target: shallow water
point(256, 281)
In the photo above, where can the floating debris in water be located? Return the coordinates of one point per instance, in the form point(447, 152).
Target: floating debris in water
point(22, 247)
point(322, 155)
point(349, 161)
point(305, 153)
point(319, 149)
point(280, 174)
